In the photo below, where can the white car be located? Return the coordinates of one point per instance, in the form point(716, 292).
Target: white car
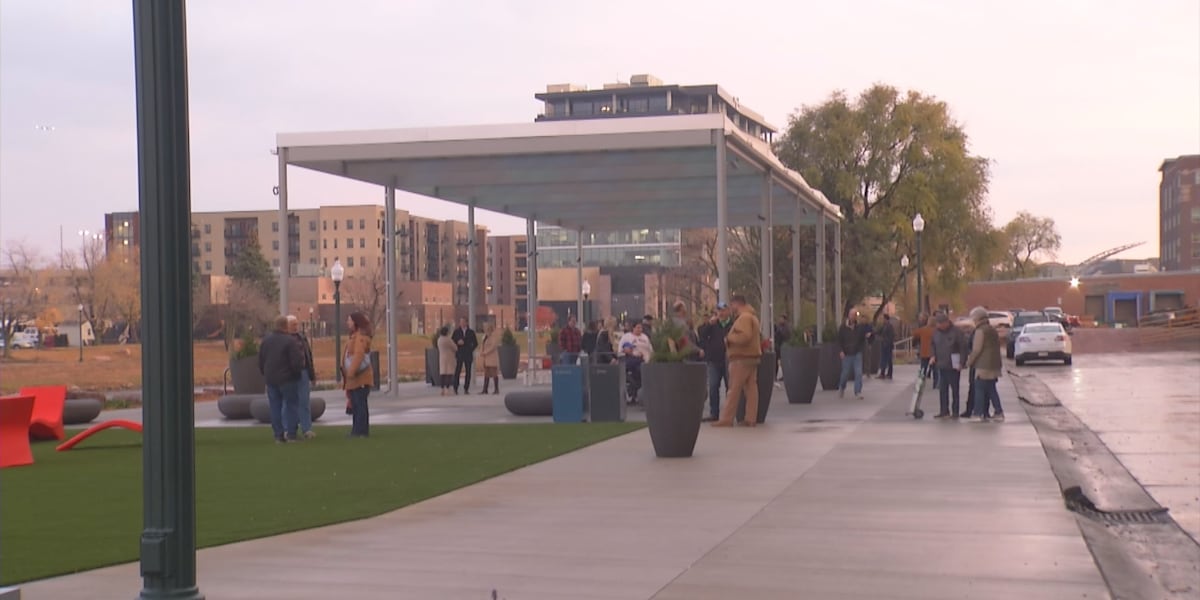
point(1042, 341)
point(1000, 319)
point(24, 339)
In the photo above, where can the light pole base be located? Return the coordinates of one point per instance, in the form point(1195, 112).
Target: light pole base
point(192, 593)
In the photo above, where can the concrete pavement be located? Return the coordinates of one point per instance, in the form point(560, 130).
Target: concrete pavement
point(839, 499)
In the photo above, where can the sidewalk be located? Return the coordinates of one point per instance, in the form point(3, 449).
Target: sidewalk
point(840, 499)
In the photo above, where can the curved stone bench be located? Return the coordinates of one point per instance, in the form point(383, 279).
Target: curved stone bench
point(237, 406)
point(260, 408)
point(530, 403)
point(81, 410)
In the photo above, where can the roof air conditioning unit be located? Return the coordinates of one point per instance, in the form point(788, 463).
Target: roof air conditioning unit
point(644, 80)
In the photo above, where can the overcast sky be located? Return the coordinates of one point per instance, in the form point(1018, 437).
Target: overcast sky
point(1077, 102)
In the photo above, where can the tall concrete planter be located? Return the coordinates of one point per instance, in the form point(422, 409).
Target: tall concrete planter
point(830, 365)
point(674, 393)
point(510, 356)
point(871, 357)
point(766, 386)
point(245, 377)
point(800, 372)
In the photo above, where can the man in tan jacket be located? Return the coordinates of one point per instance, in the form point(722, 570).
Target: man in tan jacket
point(743, 347)
point(985, 358)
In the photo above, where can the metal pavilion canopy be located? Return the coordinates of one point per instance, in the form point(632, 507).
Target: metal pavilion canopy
point(679, 171)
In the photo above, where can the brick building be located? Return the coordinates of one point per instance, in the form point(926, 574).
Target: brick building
point(1123, 298)
point(1179, 214)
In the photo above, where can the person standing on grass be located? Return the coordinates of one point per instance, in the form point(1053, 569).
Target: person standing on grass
point(358, 374)
point(465, 339)
point(447, 359)
point(307, 379)
point(281, 361)
point(489, 355)
point(743, 346)
point(949, 346)
point(985, 358)
point(570, 341)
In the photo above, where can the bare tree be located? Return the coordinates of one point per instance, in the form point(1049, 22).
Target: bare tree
point(368, 293)
point(22, 292)
point(86, 268)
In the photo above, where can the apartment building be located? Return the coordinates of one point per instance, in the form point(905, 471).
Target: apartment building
point(508, 272)
point(1179, 214)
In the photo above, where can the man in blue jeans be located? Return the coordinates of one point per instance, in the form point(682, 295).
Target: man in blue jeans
point(711, 339)
point(852, 338)
point(985, 359)
point(281, 361)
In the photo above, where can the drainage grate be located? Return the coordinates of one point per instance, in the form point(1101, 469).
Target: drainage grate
point(1078, 502)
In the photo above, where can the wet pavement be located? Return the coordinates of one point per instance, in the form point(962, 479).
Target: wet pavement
point(1145, 407)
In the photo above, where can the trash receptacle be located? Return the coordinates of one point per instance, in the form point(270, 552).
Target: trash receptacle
point(375, 369)
point(566, 391)
point(606, 384)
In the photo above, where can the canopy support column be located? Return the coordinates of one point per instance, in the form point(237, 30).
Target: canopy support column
point(285, 263)
point(472, 285)
point(796, 265)
point(820, 258)
point(531, 322)
point(389, 263)
point(722, 219)
point(579, 278)
point(837, 271)
point(765, 248)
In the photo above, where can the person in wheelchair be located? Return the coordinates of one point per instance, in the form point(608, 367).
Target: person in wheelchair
point(635, 351)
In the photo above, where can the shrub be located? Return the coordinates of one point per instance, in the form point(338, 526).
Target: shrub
point(248, 347)
point(507, 338)
point(670, 343)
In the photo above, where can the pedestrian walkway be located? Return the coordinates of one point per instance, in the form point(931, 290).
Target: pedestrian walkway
point(839, 499)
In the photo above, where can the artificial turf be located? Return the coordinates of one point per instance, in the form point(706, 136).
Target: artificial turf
point(82, 509)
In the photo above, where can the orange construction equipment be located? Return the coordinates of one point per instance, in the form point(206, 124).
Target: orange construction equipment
point(47, 421)
point(97, 428)
point(14, 431)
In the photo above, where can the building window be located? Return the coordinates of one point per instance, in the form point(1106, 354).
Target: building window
point(312, 225)
point(349, 261)
point(324, 244)
point(208, 228)
point(324, 262)
point(658, 103)
point(582, 108)
point(362, 242)
point(312, 244)
point(638, 105)
point(275, 226)
point(362, 223)
point(362, 260)
point(349, 242)
point(522, 262)
point(335, 243)
point(349, 224)
point(335, 224)
point(324, 225)
point(1196, 212)
point(208, 265)
point(208, 246)
point(520, 248)
point(522, 290)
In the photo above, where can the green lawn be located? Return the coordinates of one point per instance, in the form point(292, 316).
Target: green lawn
point(82, 509)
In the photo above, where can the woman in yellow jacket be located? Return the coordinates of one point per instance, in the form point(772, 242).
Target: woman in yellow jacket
point(357, 373)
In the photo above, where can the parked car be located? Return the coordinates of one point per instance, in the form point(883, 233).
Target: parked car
point(1043, 341)
point(1020, 320)
point(27, 338)
point(1000, 319)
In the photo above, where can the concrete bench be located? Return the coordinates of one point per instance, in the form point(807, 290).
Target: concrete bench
point(530, 403)
point(260, 408)
point(237, 406)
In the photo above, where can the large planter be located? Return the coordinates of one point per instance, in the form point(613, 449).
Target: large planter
point(674, 394)
point(766, 385)
point(830, 365)
point(245, 377)
point(432, 372)
point(800, 370)
point(77, 411)
point(510, 357)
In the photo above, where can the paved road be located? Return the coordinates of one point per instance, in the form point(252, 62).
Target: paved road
point(1146, 408)
point(838, 499)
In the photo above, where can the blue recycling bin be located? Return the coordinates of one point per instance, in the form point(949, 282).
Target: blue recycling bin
point(566, 391)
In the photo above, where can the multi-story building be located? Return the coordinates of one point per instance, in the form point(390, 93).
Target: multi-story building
point(122, 233)
point(508, 272)
point(1179, 214)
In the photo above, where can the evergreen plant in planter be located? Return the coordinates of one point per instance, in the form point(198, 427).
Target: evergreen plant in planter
point(243, 368)
point(552, 349)
point(674, 393)
point(510, 354)
point(830, 364)
point(800, 362)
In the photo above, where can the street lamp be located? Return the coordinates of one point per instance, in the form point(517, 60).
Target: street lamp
point(1074, 282)
point(586, 288)
point(312, 332)
point(904, 270)
point(918, 227)
point(337, 273)
point(80, 333)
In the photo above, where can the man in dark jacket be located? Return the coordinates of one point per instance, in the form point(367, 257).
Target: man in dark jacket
point(782, 332)
point(711, 339)
point(281, 361)
point(464, 337)
point(852, 338)
point(949, 350)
